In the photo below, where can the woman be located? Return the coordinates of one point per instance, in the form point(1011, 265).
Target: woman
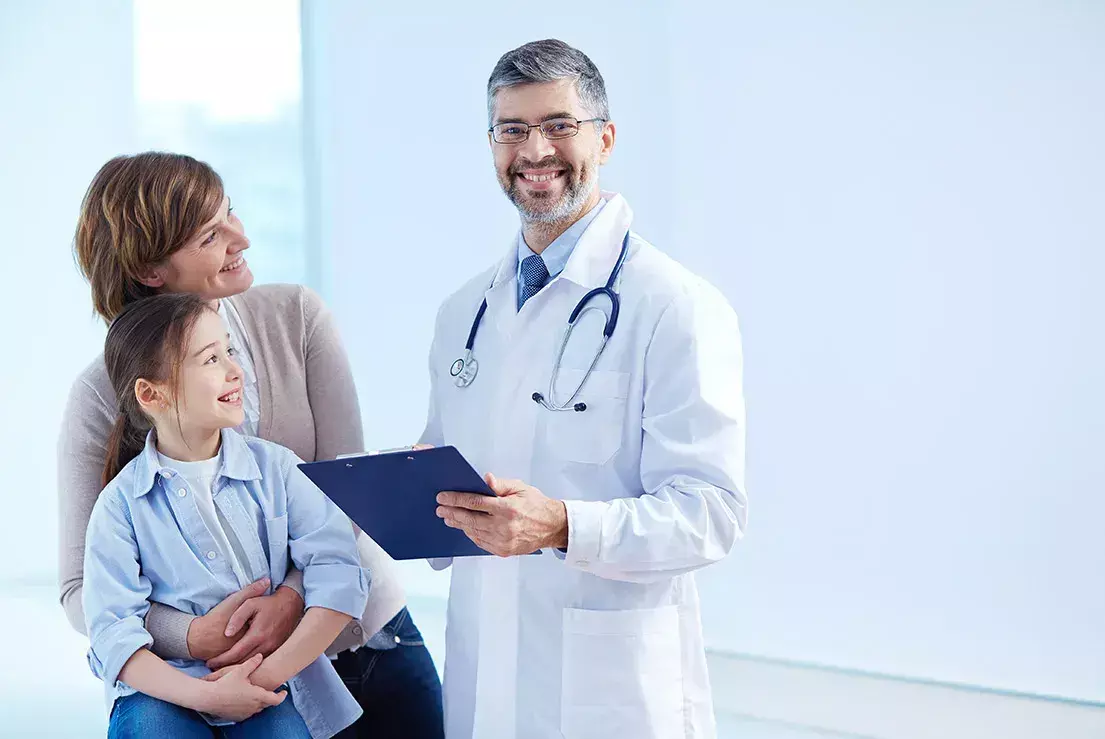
point(155, 223)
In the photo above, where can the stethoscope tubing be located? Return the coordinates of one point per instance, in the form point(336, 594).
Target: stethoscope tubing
point(464, 369)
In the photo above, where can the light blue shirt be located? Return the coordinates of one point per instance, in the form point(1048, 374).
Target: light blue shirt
point(148, 542)
point(557, 253)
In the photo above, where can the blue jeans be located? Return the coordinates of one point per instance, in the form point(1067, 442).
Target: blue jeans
point(394, 679)
point(139, 716)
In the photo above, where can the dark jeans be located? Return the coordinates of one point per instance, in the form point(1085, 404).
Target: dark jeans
point(394, 679)
point(138, 716)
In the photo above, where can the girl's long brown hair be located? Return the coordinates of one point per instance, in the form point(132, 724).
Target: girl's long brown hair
point(148, 340)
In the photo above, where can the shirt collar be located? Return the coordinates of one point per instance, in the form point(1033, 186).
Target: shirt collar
point(590, 263)
point(557, 253)
point(236, 462)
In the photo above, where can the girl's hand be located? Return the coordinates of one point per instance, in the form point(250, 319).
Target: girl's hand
point(213, 676)
point(232, 696)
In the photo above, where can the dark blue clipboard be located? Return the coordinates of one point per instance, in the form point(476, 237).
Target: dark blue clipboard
point(393, 497)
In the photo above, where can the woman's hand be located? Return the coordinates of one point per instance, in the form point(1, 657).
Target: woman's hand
point(207, 635)
point(232, 696)
point(261, 624)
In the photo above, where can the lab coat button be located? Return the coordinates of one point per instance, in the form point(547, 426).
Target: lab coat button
point(182, 492)
point(211, 555)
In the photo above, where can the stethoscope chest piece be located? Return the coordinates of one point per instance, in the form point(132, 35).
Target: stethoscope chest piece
point(464, 370)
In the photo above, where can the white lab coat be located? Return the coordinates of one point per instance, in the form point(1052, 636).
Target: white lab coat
point(605, 641)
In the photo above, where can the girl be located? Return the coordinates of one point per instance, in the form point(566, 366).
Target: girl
point(192, 512)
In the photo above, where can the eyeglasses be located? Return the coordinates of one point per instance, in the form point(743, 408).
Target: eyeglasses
point(552, 129)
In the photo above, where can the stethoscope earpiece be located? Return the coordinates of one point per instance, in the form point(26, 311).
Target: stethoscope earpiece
point(540, 400)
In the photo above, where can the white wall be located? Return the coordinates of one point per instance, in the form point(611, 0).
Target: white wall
point(65, 93)
point(913, 239)
point(65, 108)
point(902, 201)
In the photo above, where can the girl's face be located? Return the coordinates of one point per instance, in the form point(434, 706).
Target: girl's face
point(210, 392)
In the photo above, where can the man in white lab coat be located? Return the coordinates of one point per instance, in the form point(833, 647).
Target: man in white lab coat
point(626, 486)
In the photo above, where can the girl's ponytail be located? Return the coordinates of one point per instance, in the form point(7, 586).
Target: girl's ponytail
point(124, 444)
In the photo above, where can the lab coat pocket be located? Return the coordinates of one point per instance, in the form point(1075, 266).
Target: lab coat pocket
point(592, 436)
point(622, 674)
point(277, 530)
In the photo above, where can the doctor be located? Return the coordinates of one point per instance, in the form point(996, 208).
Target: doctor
point(629, 438)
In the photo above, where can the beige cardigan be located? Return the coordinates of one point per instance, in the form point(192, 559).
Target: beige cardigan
point(308, 404)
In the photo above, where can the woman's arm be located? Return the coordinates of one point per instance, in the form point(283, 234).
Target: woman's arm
point(330, 387)
point(86, 425)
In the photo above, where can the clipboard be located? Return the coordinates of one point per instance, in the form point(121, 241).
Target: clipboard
point(392, 496)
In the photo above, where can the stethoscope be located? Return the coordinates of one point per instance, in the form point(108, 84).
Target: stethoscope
point(464, 370)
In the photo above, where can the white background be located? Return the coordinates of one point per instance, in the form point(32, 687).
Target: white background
point(904, 203)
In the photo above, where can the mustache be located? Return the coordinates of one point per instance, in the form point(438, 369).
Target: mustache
point(546, 163)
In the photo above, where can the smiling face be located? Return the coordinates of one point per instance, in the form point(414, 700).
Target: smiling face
point(211, 264)
point(210, 379)
point(549, 181)
point(208, 392)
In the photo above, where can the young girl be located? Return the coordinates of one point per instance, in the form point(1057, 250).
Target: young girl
point(192, 512)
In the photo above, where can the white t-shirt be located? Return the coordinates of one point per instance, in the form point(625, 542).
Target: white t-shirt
point(200, 477)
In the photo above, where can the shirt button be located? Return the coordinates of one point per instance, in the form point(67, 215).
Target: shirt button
point(182, 492)
point(211, 555)
point(398, 640)
point(356, 630)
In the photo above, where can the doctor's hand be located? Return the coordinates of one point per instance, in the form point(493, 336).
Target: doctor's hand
point(519, 520)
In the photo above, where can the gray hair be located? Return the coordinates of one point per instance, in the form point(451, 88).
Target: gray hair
point(550, 61)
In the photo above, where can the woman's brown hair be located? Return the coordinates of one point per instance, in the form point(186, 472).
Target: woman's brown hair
point(148, 340)
point(139, 210)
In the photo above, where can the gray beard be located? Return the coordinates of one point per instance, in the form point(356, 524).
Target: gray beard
point(571, 202)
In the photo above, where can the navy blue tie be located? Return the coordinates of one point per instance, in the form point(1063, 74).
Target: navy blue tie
point(534, 274)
